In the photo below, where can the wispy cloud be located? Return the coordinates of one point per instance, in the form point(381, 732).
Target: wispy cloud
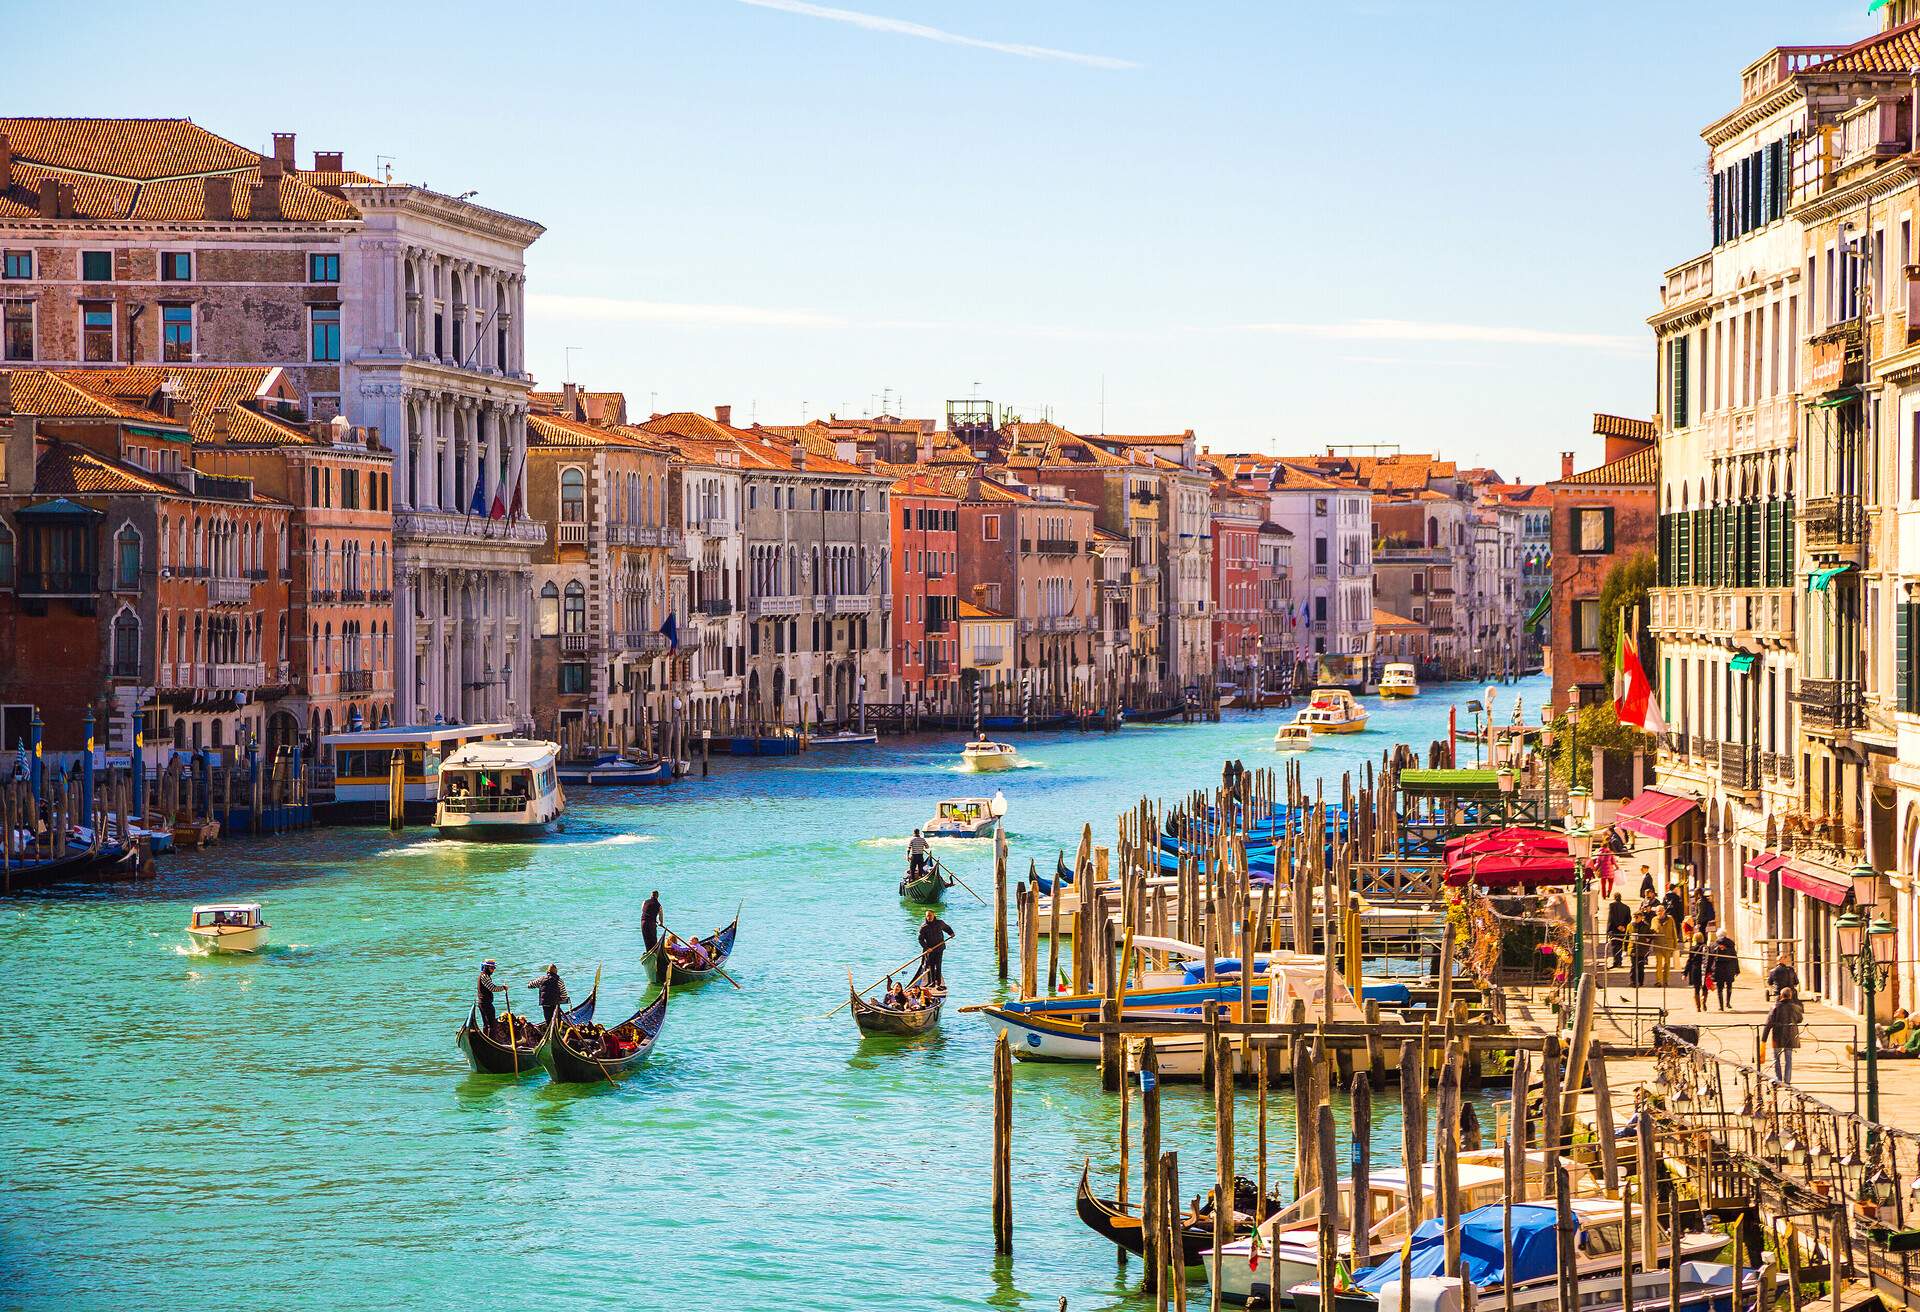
point(1413, 330)
point(900, 27)
point(617, 309)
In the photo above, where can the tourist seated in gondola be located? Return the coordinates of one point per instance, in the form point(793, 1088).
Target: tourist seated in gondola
point(689, 953)
point(895, 998)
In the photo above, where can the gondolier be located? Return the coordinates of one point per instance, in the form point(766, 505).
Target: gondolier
point(488, 986)
point(917, 852)
point(552, 992)
point(934, 933)
point(650, 912)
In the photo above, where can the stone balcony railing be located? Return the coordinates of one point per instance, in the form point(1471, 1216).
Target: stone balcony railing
point(847, 604)
point(234, 675)
point(356, 681)
point(784, 605)
point(229, 592)
point(640, 535)
point(1833, 524)
point(446, 526)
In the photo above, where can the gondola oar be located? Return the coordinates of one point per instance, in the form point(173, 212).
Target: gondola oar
point(512, 1046)
point(956, 879)
point(715, 969)
point(883, 979)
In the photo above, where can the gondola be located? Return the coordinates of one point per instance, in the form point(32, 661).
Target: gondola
point(928, 888)
point(719, 946)
point(1106, 1219)
point(873, 1018)
point(489, 1056)
point(573, 1054)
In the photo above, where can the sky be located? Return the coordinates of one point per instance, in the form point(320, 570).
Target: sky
point(1434, 224)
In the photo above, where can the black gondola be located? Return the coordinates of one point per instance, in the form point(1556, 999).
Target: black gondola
point(718, 946)
point(589, 1054)
point(1108, 1220)
point(489, 1056)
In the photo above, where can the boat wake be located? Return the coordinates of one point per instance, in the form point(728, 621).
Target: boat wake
point(617, 840)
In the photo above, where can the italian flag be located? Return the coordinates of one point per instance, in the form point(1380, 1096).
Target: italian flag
point(1633, 699)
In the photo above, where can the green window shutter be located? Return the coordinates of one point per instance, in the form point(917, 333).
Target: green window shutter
point(1679, 393)
point(1773, 544)
point(1789, 564)
point(1902, 657)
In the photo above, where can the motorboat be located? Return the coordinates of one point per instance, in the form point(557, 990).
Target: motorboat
point(965, 817)
point(1294, 737)
point(846, 738)
point(228, 927)
point(1599, 1238)
point(613, 769)
point(1332, 710)
point(502, 788)
point(1399, 680)
point(983, 755)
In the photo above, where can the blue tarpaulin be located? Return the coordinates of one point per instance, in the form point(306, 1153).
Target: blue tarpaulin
point(1535, 1248)
point(1391, 995)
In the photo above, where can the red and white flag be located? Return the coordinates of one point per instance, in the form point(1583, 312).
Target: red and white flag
point(1633, 699)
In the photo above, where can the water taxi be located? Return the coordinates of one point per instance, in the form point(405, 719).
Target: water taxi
point(1399, 680)
point(1294, 737)
point(965, 817)
point(228, 927)
point(506, 788)
point(983, 756)
point(1332, 710)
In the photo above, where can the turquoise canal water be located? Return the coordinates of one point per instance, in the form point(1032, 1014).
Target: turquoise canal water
point(300, 1126)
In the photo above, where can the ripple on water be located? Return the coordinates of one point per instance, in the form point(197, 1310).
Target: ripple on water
point(302, 1122)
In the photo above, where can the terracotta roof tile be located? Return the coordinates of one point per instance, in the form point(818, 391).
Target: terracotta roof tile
point(968, 611)
point(1896, 51)
point(65, 469)
point(45, 394)
point(1641, 430)
point(224, 400)
point(1642, 468)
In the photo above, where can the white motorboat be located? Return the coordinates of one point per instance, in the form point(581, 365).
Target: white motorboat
point(1399, 680)
point(1295, 737)
point(1332, 710)
point(228, 927)
point(965, 817)
point(983, 755)
point(848, 738)
point(503, 788)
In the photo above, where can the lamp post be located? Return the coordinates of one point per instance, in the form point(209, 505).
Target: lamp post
point(1507, 782)
point(1861, 934)
point(1580, 846)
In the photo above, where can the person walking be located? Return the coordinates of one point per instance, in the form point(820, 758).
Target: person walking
point(552, 992)
point(650, 913)
point(1647, 888)
point(1782, 1032)
point(1782, 976)
point(1696, 972)
point(1675, 904)
point(1725, 964)
point(1703, 912)
point(934, 933)
point(1666, 945)
point(488, 986)
point(1640, 938)
point(1619, 917)
point(1603, 865)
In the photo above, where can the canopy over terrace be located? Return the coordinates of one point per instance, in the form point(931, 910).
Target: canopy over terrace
point(1498, 858)
point(1437, 806)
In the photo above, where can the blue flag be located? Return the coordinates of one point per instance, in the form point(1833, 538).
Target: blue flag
point(671, 632)
point(478, 506)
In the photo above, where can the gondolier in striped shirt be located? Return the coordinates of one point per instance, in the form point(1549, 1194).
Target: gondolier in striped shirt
point(488, 986)
point(917, 852)
point(934, 933)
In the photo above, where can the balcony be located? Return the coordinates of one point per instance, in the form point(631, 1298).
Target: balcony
point(1740, 767)
point(229, 592)
point(642, 643)
point(353, 595)
point(937, 664)
point(847, 605)
point(56, 583)
point(760, 606)
point(1834, 525)
point(1830, 705)
point(234, 676)
point(1052, 624)
point(640, 535)
point(982, 657)
point(1777, 766)
point(1836, 358)
point(570, 535)
point(572, 643)
point(380, 595)
point(356, 681)
point(717, 607)
point(1057, 547)
point(449, 527)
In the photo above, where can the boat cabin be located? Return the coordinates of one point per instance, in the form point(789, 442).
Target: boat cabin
point(235, 915)
point(363, 761)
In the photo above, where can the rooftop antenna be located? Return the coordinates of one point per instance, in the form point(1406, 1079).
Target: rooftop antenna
point(1103, 404)
point(569, 354)
point(653, 402)
point(383, 165)
point(976, 390)
point(803, 412)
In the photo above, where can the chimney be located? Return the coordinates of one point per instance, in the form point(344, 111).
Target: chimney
point(283, 151)
point(49, 198)
point(570, 401)
point(67, 206)
point(219, 197)
point(723, 414)
point(219, 418)
point(980, 595)
point(799, 455)
point(329, 161)
point(1566, 464)
point(6, 162)
point(266, 197)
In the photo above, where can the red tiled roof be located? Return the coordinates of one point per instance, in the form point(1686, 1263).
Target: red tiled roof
point(1640, 430)
point(1894, 52)
point(64, 469)
point(968, 611)
point(559, 431)
point(152, 169)
point(46, 394)
point(1642, 468)
point(222, 400)
point(1387, 620)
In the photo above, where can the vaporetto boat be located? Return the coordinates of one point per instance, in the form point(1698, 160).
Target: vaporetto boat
point(505, 788)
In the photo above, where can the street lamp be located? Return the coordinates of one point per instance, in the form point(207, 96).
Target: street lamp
point(1580, 846)
point(1578, 800)
point(1864, 938)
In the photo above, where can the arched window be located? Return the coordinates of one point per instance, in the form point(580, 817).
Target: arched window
point(549, 611)
point(574, 613)
point(126, 645)
point(573, 495)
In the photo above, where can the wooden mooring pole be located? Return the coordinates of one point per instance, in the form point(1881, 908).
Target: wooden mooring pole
point(1002, 1145)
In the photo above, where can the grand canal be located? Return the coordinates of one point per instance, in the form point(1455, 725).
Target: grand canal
point(298, 1130)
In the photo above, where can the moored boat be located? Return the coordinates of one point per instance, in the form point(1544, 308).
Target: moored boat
point(502, 788)
point(1116, 1225)
point(876, 1018)
point(846, 738)
point(228, 927)
point(701, 960)
point(983, 756)
point(613, 769)
point(589, 1054)
point(516, 1049)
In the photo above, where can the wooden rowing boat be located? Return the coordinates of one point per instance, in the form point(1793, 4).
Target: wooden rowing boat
point(872, 1018)
point(717, 945)
point(489, 1056)
point(929, 888)
point(1115, 1224)
point(587, 1054)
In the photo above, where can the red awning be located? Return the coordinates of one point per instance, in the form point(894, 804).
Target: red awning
point(1514, 838)
point(1763, 868)
point(1504, 869)
point(1815, 884)
point(1650, 814)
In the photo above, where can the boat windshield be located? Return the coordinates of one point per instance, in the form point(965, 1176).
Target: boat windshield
point(486, 783)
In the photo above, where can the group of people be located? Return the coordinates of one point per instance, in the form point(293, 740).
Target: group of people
point(1654, 932)
point(548, 984)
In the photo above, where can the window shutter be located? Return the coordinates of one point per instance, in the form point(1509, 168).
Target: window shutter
point(1766, 185)
point(1789, 566)
point(1606, 527)
point(1902, 657)
point(1719, 205)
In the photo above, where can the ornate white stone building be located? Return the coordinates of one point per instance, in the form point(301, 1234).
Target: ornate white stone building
point(434, 356)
